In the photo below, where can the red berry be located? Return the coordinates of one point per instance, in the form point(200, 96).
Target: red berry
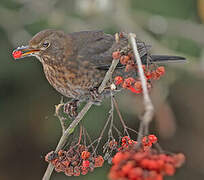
point(139, 156)
point(131, 142)
point(160, 70)
point(138, 85)
point(60, 153)
point(116, 55)
point(17, 54)
point(152, 165)
point(170, 159)
point(145, 163)
point(85, 155)
point(99, 161)
point(159, 177)
point(179, 159)
point(85, 163)
point(125, 139)
point(124, 59)
point(84, 170)
point(146, 142)
point(160, 163)
point(128, 82)
point(50, 156)
point(148, 75)
point(163, 157)
point(113, 175)
point(135, 173)
point(69, 171)
point(117, 158)
point(118, 80)
point(54, 162)
point(155, 75)
point(127, 167)
point(152, 138)
point(152, 174)
point(169, 169)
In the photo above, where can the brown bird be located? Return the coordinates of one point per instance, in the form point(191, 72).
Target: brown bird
point(75, 64)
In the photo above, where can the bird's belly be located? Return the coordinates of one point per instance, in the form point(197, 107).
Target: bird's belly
point(72, 84)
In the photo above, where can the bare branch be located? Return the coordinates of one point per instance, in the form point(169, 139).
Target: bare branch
point(120, 117)
point(108, 75)
point(149, 108)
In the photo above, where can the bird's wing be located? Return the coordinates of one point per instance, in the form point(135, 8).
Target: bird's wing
point(97, 47)
point(92, 44)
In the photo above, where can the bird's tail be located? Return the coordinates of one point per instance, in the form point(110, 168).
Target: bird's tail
point(166, 59)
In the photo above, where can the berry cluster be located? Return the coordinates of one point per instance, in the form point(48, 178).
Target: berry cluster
point(147, 141)
point(75, 161)
point(152, 72)
point(131, 163)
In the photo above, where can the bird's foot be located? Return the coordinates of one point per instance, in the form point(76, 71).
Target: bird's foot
point(70, 108)
point(95, 96)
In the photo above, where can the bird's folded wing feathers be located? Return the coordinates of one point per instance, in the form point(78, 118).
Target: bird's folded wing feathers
point(97, 47)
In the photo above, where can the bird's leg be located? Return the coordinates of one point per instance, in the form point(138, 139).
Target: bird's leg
point(94, 93)
point(70, 108)
point(95, 96)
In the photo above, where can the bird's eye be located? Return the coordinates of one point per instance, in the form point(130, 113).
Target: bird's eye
point(46, 44)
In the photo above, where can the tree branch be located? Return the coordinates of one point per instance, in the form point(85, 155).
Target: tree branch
point(149, 108)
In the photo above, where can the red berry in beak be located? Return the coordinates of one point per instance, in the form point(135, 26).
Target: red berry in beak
point(17, 54)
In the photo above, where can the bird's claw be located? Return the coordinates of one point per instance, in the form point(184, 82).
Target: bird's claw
point(95, 96)
point(70, 108)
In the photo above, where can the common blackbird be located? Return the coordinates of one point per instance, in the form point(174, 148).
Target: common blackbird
point(75, 63)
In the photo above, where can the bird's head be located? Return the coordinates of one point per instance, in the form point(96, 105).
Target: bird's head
point(47, 45)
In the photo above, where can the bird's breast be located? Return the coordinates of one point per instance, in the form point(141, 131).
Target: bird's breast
point(72, 82)
point(58, 78)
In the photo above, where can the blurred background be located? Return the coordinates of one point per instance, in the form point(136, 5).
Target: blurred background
point(28, 127)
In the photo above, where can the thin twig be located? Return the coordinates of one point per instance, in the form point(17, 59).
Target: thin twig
point(120, 116)
point(104, 128)
point(61, 119)
point(149, 108)
point(108, 75)
point(110, 133)
point(72, 126)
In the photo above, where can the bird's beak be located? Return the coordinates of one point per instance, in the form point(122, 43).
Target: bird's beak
point(24, 51)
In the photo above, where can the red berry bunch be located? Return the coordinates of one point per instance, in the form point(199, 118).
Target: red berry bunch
point(126, 142)
point(147, 141)
point(155, 74)
point(130, 83)
point(75, 161)
point(131, 163)
point(152, 72)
